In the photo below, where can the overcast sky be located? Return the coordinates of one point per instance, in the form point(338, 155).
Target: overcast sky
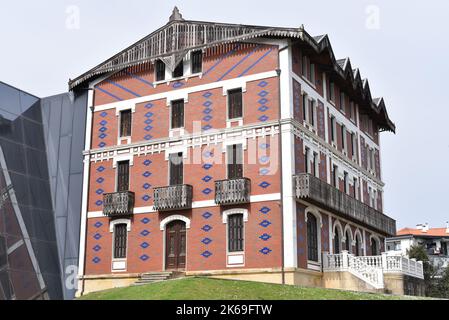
point(400, 46)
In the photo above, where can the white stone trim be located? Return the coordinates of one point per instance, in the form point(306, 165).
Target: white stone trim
point(348, 227)
point(113, 223)
point(229, 212)
point(174, 218)
point(123, 157)
point(314, 211)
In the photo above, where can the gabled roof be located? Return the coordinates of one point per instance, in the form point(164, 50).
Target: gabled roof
point(432, 232)
point(173, 41)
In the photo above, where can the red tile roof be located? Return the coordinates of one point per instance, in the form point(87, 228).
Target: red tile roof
point(433, 232)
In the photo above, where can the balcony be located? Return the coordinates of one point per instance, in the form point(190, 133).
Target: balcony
point(176, 197)
point(322, 194)
point(118, 204)
point(233, 191)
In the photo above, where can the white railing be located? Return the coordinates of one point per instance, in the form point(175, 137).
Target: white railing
point(371, 269)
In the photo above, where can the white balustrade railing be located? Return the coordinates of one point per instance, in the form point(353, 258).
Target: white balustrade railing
point(372, 268)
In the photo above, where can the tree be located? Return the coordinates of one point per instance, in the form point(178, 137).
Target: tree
point(441, 288)
point(419, 253)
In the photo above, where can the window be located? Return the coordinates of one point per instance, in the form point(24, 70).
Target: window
point(335, 176)
point(177, 114)
point(353, 143)
point(346, 182)
point(197, 61)
point(235, 233)
point(352, 110)
point(312, 113)
point(120, 239)
point(125, 123)
point(343, 138)
point(176, 169)
point(337, 247)
point(348, 241)
point(374, 247)
point(342, 101)
point(160, 70)
point(179, 70)
point(304, 65)
point(315, 164)
point(332, 91)
point(333, 128)
point(312, 238)
point(354, 190)
point(357, 245)
point(235, 161)
point(122, 176)
point(306, 160)
point(312, 73)
point(304, 106)
point(235, 103)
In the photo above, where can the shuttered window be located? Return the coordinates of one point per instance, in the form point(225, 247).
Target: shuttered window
point(123, 176)
point(160, 70)
point(179, 70)
point(235, 161)
point(235, 233)
point(197, 61)
point(125, 123)
point(176, 169)
point(312, 238)
point(177, 114)
point(235, 103)
point(120, 239)
point(306, 159)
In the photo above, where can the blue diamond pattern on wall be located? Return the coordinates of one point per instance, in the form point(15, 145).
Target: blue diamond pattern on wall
point(103, 129)
point(207, 178)
point(264, 159)
point(207, 95)
point(103, 114)
point(145, 220)
point(149, 114)
point(148, 128)
point(146, 174)
point(97, 236)
point(148, 137)
point(103, 123)
point(149, 105)
point(96, 260)
point(99, 203)
point(208, 154)
point(98, 224)
point(207, 110)
point(102, 144)
point(145, 232)
point(263, 93)
point(100, 180)
point(207, 104)
point(264, 185)
point(207, 228)
point(265, 250)
point(144, 257)
point(207, 166)
point(207, 127)
point(207, 191)
point(207, 215)
point(264, 171)
point(147, 162)
point(263, 84)
point(100, 191)
point(148, 121)
point(97, 248)
point(263, 108)
point(265, 210)
point(146, 198)
point(263, 118)
point(144, 245)
point(263, 101)
point(207, 118)
point(103, 135)
point(264, 146)
point(206, 254)
point(206, 241)
point(265, 237)
point(265, 223)
point(178, 85)
point(146, 186)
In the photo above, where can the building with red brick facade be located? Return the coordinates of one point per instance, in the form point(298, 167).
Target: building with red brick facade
point(234, 151)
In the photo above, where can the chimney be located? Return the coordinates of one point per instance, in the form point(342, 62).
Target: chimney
point(447, 226)
point(419, 226)
point(425, 227)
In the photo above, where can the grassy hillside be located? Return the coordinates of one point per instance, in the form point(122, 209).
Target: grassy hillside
point(214, 289)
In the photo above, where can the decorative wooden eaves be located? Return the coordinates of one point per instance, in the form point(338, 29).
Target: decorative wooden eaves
point(178, 37)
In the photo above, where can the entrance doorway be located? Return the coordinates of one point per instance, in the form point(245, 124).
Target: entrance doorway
point(175, 241)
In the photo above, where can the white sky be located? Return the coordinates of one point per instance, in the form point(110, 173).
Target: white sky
point(405, 60)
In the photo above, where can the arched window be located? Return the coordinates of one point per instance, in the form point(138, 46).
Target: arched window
point(374, 247)
point(312, 238)
point(348, 242)
point(358, 244)
point(337, 247)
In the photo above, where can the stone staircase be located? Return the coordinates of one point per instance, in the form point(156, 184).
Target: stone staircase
point(151, 277)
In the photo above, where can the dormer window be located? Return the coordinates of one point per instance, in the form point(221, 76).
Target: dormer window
point(197, 61)
point(342, 101)
point(331, 91)
point(160, 70)
point(179, 70)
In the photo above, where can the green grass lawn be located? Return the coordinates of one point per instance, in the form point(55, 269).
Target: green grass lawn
point(215, 289)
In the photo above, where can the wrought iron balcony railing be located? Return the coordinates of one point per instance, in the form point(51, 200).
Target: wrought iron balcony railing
point(173, 197)
point(233, 191)
point(325, 195)
point(118, 203)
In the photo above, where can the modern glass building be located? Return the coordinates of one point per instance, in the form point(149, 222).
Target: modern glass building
point(41, 143)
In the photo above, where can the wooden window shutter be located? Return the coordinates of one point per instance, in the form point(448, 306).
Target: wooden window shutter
point(235, 104)
point(235, 161)
point(177, 117)
point(160, 70)
point(125, 123)
point(120, 240)
point(123, 176)
point(176, 169)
